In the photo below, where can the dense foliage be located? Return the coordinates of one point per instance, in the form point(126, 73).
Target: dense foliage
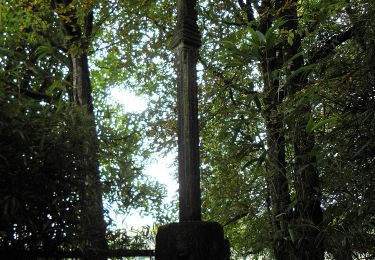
point(287, 106)
point(46, 138)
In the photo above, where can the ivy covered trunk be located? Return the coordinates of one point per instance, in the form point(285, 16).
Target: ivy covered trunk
point(277, 181)
point(295, 225)
point(308, 214)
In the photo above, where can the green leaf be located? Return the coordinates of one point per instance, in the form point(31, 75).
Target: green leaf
point(261, 36)
point(290, 38)
point(228, 44)
point(311, 126)
point(44, 50)
point(295, 56)
point(291, 234)
point(303, 69)
point(271, 33)
point(59, 84)
point(254, 37)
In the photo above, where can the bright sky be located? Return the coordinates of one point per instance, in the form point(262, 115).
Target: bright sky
point(161, 169)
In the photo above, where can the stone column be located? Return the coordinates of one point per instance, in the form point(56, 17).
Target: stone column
point(185, 43)
point(191, 238)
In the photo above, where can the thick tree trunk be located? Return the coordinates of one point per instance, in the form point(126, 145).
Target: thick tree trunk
point(277, 183)
point(296, 233)
point(276, 165)
point(92, 224)
point(277, 180)
point(308, 215)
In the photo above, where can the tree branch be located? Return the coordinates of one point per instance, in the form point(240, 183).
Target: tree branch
point(247, 8)
point(27, 92)
point(329, 46)
point(236, 218)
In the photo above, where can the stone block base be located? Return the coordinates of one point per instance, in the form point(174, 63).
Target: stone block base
point(191, 240)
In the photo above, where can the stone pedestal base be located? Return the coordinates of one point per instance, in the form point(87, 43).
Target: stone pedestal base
point(191, 240)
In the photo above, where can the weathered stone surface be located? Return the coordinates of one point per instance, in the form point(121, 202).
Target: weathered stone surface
point(191, 240)
point(188, 133)
point(187, 33)
point(185, 44)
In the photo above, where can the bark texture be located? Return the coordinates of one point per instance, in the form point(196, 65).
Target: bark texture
point(296, 228)
point(277, 181)
point(308, 214)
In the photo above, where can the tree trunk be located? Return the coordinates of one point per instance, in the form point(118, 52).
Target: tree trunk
point(276, 165)
point(308, 215)
point(277, 183)
point(296, 236)
point(277, 180)
point(92, 224)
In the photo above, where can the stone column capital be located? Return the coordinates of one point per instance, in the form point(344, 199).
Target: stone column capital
point(187, 31)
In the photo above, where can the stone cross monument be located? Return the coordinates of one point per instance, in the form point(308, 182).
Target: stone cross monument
point(191, 238)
